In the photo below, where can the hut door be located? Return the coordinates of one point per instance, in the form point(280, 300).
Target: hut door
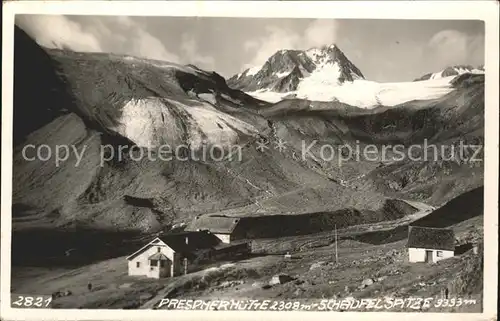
point(168, 268)
point(428, 256)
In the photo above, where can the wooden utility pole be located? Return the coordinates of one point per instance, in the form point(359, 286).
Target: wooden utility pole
point(336, 247)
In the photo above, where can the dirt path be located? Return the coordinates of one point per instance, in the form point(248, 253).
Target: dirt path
point(423, 210)
point(302, 242)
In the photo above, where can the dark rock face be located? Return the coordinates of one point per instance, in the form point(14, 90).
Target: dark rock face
point(284, 70)
point(39, 94)
point(290, 82)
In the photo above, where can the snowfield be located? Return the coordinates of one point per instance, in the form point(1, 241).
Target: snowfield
point(146, 122)
point(212, 127)
point(152, 122)
point(268, 95)
point(322, 86)
point(327, 76)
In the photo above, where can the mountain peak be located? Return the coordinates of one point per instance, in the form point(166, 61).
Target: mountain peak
point(324, 47)
point(453, 71)
point(286, 68)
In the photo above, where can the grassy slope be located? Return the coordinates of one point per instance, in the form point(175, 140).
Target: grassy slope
point(358, 260)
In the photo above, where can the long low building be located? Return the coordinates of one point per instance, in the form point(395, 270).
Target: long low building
point(226, 228)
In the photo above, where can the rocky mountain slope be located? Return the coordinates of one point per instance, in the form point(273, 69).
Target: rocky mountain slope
point(440, 126)
point(91, 100)
point(136, 105)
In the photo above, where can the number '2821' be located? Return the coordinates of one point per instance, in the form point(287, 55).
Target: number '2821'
point(31, 301)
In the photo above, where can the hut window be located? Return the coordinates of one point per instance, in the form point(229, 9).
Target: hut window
point(137, 264)
point(159, 249)
point(439, 253)
point(154, 262)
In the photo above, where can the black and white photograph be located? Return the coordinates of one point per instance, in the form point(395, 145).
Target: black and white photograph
point(198, 162)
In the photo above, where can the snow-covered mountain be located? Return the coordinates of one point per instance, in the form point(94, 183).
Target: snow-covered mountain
point(286, 70)
point(326, 74)
point(452, 71)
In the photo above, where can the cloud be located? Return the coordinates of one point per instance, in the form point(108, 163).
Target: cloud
point(136, 36)
point(452, 47)
point(192, 54)
point(58, 32)
point(321, 32)
point(118, 34)
point(318, 33)
point(143, 44)
point(275, 39)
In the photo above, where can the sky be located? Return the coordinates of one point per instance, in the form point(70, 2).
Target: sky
point(384, 50)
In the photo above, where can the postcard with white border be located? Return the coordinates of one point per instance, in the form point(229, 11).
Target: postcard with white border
point(237, 160)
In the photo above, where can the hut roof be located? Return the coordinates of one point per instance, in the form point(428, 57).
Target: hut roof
point(213, 223)
point(183, 242)
point(431, 238)
point(190, 241)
